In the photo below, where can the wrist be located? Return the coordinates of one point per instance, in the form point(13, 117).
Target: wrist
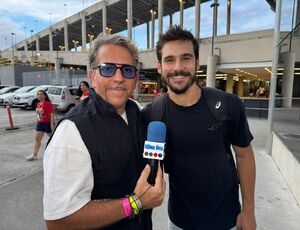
point(248, 208)
point(126, 207)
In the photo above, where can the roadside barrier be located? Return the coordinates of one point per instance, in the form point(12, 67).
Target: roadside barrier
point(11, 123)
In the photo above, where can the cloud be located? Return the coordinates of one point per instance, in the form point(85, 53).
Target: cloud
point(7, 27)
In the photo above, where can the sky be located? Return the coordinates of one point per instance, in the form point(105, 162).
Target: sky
point(26, 17)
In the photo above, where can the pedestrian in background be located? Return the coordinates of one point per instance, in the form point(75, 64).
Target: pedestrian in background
point(45, 121)
point(83, 91)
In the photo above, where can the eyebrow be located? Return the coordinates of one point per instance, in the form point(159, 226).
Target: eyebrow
point(182, 55)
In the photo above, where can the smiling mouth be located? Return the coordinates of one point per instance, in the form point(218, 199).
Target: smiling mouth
point(117, 89)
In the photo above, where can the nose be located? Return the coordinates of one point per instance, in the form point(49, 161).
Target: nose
point(177, 65)
point(118, 76)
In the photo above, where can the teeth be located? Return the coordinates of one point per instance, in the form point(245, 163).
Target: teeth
point(178, 77)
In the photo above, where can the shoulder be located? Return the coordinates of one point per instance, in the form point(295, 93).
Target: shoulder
point(235, 105)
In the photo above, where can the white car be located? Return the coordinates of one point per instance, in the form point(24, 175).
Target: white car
point(7, 98)
point(63, 97)
point(28, 100)
point(8, 89)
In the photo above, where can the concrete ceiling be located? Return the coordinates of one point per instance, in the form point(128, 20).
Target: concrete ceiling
point(116, 20)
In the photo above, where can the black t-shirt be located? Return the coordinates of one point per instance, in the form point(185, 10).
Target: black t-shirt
point(203, 189)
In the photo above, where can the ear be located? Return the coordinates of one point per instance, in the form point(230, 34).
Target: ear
point(159, 67)
point(92, 77)
point(137, 78)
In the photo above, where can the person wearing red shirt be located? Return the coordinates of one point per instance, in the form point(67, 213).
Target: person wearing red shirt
point(45, 121)
point(83, 91)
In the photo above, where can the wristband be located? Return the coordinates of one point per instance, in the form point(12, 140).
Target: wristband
point(126, 207)
point(137, 201)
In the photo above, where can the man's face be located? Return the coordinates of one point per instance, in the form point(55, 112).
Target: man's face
point(116, 89)
point(178, 65)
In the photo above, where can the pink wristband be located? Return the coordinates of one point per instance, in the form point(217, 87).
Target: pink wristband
point(126, 207)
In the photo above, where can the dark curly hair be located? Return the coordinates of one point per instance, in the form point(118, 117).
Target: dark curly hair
point(175, 33)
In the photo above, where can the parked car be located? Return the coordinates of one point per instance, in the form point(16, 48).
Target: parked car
point(28, 100)
point(3, 86)
point(8, 89)
point(63, 97)
point(7, 98)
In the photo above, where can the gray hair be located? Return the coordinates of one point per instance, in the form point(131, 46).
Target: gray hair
point(114, 39)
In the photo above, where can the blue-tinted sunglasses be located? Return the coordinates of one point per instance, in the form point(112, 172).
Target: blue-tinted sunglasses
point(109, 70)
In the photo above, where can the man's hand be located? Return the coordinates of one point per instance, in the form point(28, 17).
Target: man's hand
point(150, 196)
point(246, 221)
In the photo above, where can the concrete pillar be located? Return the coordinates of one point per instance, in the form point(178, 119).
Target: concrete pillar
point(83, 30)
point(160, 16)
point(171, 19)
point(25, 46)
point(152, 28)
point(104, 19)
point(50, 39)
point(197, 18)
point(148, 35)
point(37, 43)
point(229, 84)
point(181, 12)
point(228, 17)
point(297, 30)
point(288, 78)
point(58, 62)
point(212, 61)
point(241, 87)
point(129, 18)
point(66, 36)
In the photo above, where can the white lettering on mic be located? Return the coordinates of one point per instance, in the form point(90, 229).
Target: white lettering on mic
point(154, 150)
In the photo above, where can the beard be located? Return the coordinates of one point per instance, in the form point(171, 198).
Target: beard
point(183, 89)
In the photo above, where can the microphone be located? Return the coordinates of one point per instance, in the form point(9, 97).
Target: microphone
point(154, 147)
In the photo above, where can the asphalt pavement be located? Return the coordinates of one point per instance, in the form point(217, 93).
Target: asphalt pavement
point(21, 182)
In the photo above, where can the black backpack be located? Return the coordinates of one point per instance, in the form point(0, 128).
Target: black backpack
point(217, 104)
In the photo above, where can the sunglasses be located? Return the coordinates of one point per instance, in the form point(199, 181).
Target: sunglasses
point(109, 70)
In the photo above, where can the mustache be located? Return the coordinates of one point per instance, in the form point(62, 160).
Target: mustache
point(116, 88)
point(179, 73)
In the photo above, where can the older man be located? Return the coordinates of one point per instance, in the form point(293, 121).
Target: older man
point(94, 173)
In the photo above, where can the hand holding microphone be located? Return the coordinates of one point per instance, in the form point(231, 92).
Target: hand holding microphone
point(154, 147)
point(152, 195)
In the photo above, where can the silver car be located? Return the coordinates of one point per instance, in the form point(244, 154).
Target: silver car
point(63, 97)
point(7, 98)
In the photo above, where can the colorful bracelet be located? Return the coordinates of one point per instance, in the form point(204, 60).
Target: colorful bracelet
point(137, 201)
point(134, 206)
point(126, 207)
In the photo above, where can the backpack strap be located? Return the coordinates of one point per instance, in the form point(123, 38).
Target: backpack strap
point(216, 102)
point(158, 108)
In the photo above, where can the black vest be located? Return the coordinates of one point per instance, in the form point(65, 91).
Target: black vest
point(115, 149)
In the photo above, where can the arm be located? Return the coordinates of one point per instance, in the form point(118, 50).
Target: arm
point(98, 214)
point(246, 170)
point(52, 122)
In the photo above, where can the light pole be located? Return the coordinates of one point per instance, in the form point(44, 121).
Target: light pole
point(36, 25)
point(65, 5)
point(31, 31)
point(24, 32)
point(12, 43)
point(50, 18)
